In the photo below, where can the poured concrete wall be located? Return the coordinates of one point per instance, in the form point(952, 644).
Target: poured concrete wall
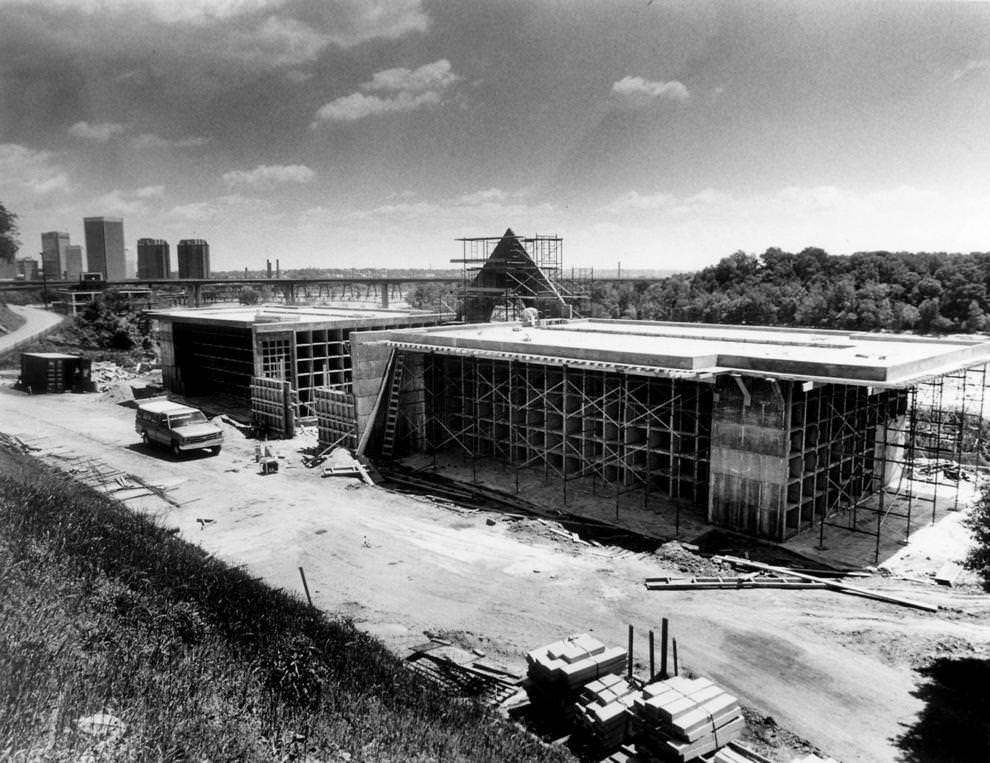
point(749, 457)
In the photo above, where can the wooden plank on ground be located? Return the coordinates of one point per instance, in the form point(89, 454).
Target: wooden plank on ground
point(835, 586)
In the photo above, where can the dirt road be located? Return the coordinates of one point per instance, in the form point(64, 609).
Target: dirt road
point(833, 669)
point(36, 321)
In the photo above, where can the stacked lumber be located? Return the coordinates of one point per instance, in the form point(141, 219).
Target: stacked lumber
point(601, 709)
point(574, 661)
point(681, 718)
point(557, 671)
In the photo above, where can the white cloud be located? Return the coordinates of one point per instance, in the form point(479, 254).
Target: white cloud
point(636, 91)
point(100, 132)
point(151, 140)
point(28, 173)
point(150, 191)
point(971, 67)
point(490, 209)
point(254, 32)
point(266, 176)
point(713, 223)
point(393, 90)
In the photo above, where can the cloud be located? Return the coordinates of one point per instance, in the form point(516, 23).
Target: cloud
point(263, 33)
point(151, 140)
point(637, 92)
point(266, 176)
point(899, 218)
point(490, 208)
point(969, 69)
point(391, 90)
point(100, 132)
point(150, 191)
point(29, 173)
point(134, 202)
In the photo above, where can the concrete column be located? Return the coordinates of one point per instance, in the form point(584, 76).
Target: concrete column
point(749, 469)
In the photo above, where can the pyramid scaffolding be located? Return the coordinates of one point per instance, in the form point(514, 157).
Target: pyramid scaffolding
point(501, 274)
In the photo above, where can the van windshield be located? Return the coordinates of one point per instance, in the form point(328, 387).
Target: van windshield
point(185, 419)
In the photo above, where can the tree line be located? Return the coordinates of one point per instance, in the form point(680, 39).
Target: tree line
point(924, 292)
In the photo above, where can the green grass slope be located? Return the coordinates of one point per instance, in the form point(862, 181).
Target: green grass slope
point(102, 610)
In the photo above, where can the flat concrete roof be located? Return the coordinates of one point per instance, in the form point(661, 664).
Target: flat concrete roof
point(707, 350)
point(283, 317)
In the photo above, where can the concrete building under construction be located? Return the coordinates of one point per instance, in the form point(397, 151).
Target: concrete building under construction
point(767, 430)
point(239, 349)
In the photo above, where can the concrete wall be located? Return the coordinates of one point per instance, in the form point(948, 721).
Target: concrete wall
point(369, 362)
point(748, 457)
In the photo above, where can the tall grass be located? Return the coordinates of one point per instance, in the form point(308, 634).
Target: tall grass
point(104, 611)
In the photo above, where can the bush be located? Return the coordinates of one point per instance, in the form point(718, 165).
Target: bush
point(978, 523)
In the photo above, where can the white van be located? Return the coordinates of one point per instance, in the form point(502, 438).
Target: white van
point(177, 427)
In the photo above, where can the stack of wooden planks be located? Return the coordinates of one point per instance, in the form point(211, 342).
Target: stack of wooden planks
point(574, 661)
point(556, 672)
point(681, 718)
point(601, 709)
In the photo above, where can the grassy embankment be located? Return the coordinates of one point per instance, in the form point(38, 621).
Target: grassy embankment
point(9, 320)
point(102, 610)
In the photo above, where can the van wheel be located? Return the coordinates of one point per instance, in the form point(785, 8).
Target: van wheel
point(215, 450)
point(144, 439)
point(175, 449)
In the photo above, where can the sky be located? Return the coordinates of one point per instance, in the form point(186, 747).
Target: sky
point(659, 134)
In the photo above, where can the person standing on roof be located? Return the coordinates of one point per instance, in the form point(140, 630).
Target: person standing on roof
point(529, 317)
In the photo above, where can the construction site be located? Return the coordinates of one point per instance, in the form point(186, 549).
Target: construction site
point(546, 465)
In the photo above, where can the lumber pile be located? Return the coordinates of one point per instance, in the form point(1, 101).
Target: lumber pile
point(556, 672)
point(601, 709)
point(681, 719)
point(574, 661)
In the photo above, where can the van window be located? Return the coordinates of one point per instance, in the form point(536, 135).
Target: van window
point(185, 419)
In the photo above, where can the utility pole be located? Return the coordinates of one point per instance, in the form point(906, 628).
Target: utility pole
point(44, 280)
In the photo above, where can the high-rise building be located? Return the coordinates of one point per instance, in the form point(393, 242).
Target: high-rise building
point(194, 258)
point(53, 246)
point(153, 259)
point(74, 265)
point(105, 247)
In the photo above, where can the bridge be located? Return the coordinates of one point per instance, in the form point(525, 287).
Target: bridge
point(383, 291)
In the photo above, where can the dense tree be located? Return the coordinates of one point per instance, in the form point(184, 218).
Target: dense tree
point(8, 235)
point(873, 291)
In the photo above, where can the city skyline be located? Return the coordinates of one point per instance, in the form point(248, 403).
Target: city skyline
point(662, 134)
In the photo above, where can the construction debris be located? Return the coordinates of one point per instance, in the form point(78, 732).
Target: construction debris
point(681, 719)
point(343, 464)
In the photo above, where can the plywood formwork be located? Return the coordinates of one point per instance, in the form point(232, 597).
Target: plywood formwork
point(336, 418)
point(273, 407)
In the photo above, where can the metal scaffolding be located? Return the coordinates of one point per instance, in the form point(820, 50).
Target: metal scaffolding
point(927, 438)
point(852, 457)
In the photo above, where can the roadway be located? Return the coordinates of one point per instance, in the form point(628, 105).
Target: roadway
point(36, 321)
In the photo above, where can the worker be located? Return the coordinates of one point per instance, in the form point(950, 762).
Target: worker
point(529, 316)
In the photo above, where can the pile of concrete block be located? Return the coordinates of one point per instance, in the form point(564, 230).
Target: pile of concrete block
point(681, 719)
point(601, 709)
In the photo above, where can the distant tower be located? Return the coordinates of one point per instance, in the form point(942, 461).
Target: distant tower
point(194, 258)
point(74, 265)
point(105, 247)
point(153, 259)
point(53, 246)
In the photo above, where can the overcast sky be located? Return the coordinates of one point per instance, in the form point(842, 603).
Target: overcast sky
point(351, 133)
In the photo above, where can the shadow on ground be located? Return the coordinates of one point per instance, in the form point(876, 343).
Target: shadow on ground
point(955, 722)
